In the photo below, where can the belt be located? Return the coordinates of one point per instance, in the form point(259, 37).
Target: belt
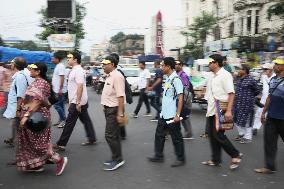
point(110, 107)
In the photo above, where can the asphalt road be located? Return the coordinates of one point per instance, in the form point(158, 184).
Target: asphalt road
point(84, 169)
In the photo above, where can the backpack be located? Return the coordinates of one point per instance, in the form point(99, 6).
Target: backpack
point(185, 111)
point(128, 91)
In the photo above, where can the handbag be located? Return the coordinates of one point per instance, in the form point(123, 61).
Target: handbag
point(220, 122)
point(37, 122)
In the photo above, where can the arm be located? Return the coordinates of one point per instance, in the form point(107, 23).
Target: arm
point(228, 114)
point(120, 112)
point(62, 77)
point(179, 107)
point(34, 106)
point(267, 102)
point(79, 96)
point(157, 82)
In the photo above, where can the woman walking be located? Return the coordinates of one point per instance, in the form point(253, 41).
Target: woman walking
point(34, 147)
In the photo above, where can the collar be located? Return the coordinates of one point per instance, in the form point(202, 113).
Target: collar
point(111, 73)
point(174, 74)
point(219, 72)
point(15, 74)
point(76, 67)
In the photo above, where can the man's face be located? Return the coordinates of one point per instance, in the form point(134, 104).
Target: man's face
point(71, 60)
point(242, 72)
point(55, 60)
point(141, 66)
point(278, 68)
point(108, 67)
point(165, 68)
point(178, 67)
point(212, 65)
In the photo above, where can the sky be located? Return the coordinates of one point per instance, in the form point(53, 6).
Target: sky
point(105, 18)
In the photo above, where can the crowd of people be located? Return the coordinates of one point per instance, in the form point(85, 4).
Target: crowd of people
point(30, 96)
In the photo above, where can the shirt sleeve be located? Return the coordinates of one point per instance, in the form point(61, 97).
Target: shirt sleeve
point(119, 86)
point(228, 83)
point(178, 86)
point(21, 85)
point(159, 74)
point(61, 70)
point(147, 74)
point(80, 77)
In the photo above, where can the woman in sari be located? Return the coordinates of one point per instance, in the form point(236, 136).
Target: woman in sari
point(35, 148)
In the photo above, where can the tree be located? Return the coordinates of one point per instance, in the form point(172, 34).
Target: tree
point(197, 32)
point(117, 38)
point(1, 42)
point(276, 10)
point(74, 28)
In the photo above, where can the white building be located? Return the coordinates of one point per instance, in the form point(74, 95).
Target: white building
point(99, 50)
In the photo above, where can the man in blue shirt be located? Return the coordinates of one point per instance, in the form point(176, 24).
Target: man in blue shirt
point(274, 121)
point(16, 94)
point(171, 109)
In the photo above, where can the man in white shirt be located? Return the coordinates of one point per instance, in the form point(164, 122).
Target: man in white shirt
point(59, 87)
point(78, 104)
point(220, 88)
point(143, 83)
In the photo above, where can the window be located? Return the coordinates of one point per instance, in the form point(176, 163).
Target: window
point(249, 21)
point(231, 30)
point(256, 22)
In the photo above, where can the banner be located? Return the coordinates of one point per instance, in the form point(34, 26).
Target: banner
point(65, 42)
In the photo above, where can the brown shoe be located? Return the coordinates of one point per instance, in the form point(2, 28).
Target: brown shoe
point(58, 148)
point(264, 170)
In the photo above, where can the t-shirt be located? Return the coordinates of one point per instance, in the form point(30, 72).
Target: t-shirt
point(276, 105)
point(158, 74)
point(142, 80)
point(59, 70)
point(76, 77)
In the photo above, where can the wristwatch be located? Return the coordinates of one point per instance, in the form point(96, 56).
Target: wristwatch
point(121, 115)
point(27, 114)
point(177, 115)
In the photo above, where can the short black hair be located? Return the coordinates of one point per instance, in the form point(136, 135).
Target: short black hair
point(59, 55)
point(170, 61)
point(246, 68)
point(218, 58)
point(76, 55)
point(20, 63)
point(112, 59)
point(116, 56)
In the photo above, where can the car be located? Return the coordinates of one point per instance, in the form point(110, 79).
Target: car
point(132, 75)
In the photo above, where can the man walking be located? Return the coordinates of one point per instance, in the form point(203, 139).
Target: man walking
point(59, 86)
point(143, 83)
point(16, 94)
point(156, 90)
point(170, 115)
point(247, 90)
point(188, 90)
point(78, 104)
point(221, 88)
point(274, 119)
point(113, 104)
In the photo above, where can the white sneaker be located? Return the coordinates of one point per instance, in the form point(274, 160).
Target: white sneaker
point(61, 124)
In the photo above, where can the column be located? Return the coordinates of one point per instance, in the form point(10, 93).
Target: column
point(253, 19)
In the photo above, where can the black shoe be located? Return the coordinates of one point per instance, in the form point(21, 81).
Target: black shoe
point(156, 160)
point(254, 132)
point(178, 163)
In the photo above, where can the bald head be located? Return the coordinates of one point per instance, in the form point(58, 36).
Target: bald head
point(20, 63)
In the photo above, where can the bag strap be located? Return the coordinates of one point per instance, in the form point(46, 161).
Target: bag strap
point(277, 86)
point(26, 81)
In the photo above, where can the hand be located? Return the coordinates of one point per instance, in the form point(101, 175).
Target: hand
point(177, 119)
point(149, 88)
point(228, 116)
point(263, 118)
point(120, 119)
point(60, 92)
point(18, 113)
point(78, 107)
point(23, 121)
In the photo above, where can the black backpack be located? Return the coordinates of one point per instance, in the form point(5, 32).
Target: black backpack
point(128, 91)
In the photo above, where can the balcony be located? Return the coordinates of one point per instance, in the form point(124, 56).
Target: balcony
point(242, 4)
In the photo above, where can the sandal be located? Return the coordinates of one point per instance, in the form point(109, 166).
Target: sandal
point(9, 142)
point(210, 163)
point(236, 163)
point(264, 170)
point(204, 135)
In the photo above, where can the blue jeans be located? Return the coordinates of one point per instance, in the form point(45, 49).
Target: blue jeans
point(59, 107)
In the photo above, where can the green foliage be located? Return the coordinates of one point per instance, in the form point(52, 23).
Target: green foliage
point(74, 28)
point(117, 38)
point(1, 42)
point(197, 32)
point(30, 45)
point(276, 10)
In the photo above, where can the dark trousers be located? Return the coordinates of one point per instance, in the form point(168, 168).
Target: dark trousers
point(272, 129)
point(70, 123)
point(156, 104)
point(174, 130)
point(207, 126)
point(219, 140)
point(112, 132)
point(142, 98)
